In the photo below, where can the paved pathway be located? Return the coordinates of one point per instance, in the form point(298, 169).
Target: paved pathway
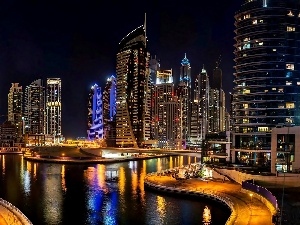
point(9, 215)
point(249, 211)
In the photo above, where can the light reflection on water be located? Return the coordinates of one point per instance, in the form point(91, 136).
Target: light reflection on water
point(80, 194)
point(206, 216)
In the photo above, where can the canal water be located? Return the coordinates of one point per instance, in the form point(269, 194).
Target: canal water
point(65, 194)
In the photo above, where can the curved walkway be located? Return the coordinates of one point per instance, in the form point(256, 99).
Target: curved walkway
point(9, 214)
point(246, 210)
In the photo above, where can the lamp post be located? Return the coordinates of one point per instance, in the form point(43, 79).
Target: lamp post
point(287, 163)
point(251, 195)
point(282, 197)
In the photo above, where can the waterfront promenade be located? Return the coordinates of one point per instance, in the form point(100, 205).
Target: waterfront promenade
point(247, 210)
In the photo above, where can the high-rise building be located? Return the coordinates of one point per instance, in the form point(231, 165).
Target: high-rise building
point(217, 108)
point(133, 90)
point(203, 99)
point(266, 79)
point(196, 139)
point(216, 111)
point(34, 108)
point(184, 95)
point(15, 109)
point(166, 111)
point(154, 67)
point(53, 108)
point(109, 111)
point(216, 81)
point(95, 114)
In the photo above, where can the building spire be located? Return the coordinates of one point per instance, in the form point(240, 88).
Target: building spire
point(145, 29)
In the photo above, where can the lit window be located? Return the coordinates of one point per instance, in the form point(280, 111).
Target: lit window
point(273, 89)
point(288, 82)
point(274, 50)
point(290, 66)
point(246, 16)
point(263, 129)
point(289, 105)
point(265, 3)
point(290, 13)
point(254, 22)
point(298, 82)
point(290, 29)
point(280, 90)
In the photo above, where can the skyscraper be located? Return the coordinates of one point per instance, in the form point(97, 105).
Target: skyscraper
point(216, 119)
point(109, 111)
point(53, 107)
point(203, 96)
point(184, 94)
point(34, 108)
point(266, 79)
point(95, 114)
point(196, 138)
point(165, 111)
point(133, 91)
point(216, 81)
point(15, 109)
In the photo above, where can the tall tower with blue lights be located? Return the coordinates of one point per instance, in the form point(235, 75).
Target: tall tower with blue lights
point(95, 113)
point(109, 111)
point(184, 94)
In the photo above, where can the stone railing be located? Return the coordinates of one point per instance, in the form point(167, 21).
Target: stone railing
point(12, 215)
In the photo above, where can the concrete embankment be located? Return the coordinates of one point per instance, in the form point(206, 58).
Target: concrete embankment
point(9, 214)
point(245, 210)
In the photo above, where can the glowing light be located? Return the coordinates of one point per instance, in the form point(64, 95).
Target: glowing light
point(206, 216)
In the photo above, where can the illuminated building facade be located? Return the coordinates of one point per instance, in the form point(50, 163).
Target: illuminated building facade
point(53, 108)
point(266, 79)
point(133, 90)
point(110, 110)
point(184, 94)
point(154, 67)
point(34, 108)
point(95, 113)
point(15, 112)
point(166, 111)
point(216, 119)
point(203, 99)
point(195, 140)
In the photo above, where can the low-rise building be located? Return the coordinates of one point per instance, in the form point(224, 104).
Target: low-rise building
point(285, 146)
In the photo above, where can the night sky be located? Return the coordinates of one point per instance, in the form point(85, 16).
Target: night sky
point(77, 41)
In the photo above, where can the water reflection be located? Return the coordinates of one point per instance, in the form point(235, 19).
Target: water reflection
point(3, 164)
point(206, 216)
point(161, 208)
point(52, 194)
point(81, 194)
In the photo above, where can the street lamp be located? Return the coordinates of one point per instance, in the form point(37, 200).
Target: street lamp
point(251, 196)
point(282, 197)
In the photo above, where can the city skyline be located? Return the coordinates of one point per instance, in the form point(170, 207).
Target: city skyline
point(44, 40)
